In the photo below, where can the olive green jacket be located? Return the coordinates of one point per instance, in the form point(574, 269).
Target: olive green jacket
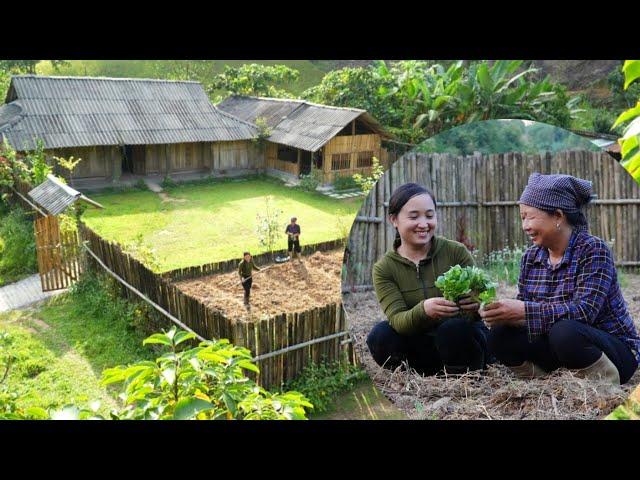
point(246, 268)
point(401, 286)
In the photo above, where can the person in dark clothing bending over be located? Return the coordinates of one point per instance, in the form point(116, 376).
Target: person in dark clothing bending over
point(293, 231)
point(245, 269)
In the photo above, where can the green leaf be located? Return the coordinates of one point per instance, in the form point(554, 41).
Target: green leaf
point(183, 336)
point(484, 78)
point(633, 129)
point(169, 375)
point(160, 338)
point(627, 115)
point(631, 69)
point(37, 413)
point(188, 408)
point(246, 364)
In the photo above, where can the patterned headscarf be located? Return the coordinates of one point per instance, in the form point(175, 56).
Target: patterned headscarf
point(564, 192)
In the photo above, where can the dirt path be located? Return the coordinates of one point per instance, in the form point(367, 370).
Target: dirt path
point(496, 394)
point(286, 287)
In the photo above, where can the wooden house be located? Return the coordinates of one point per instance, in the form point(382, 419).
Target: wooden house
point(131, 128)
point(338, 141)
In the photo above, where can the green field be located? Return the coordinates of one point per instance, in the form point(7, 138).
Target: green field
point(209, 223)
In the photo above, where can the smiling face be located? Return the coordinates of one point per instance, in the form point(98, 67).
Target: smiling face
point(541, 227)
point(417, 220)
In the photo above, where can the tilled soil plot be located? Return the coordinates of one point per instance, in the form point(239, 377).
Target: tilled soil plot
point(283, 288)
point(496, 393)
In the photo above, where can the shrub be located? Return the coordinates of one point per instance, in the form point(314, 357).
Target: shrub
point(344, 183)
point(17, 246)
point(168, 182)
point(322, 382)
point(140, 185)
point(311, 182)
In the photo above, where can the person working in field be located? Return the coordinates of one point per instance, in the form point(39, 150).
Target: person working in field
point(245, 269)
point(423, 329)
point(569, 310)
point(293, 237)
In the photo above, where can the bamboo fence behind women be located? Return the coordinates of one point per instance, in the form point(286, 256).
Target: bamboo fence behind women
point(479, 194)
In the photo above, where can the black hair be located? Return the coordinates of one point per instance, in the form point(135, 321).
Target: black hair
point(400, 197)
point(245, 254)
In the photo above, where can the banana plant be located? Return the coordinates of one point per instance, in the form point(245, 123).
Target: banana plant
point(630, 141)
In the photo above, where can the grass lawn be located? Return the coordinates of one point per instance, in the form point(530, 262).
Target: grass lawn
point(208, 223)
point(62, 348)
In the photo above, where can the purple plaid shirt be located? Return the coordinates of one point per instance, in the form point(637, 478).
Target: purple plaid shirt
point(583, 287)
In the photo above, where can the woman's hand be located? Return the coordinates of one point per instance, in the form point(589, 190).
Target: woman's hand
point(504, 312)
point(438, 307)
point(468, 304)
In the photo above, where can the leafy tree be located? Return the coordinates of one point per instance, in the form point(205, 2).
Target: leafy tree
point(630, 141)
point(254, 79)
point(268, 225)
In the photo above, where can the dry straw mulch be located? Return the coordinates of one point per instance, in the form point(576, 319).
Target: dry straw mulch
point(495, 393)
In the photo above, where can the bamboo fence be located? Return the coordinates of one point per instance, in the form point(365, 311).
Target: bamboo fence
point(260, 337)
point(480, 193)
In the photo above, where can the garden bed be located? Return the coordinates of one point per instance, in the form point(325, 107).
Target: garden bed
point(495, 394)
point(287, 287)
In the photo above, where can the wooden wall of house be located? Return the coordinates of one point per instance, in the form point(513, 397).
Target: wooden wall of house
point(271, 161)
point(97, 161)
point(344, 155)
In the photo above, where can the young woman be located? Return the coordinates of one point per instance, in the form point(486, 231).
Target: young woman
point(569, 310)
point(423, 329)
point(245, 270)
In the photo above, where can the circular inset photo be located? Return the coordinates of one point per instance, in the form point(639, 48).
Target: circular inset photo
point(494, 273)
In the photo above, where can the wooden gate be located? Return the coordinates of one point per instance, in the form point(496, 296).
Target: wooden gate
point(58, 254)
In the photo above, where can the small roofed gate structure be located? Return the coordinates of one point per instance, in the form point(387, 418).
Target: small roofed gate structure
point(302, 135)
point(58, 252)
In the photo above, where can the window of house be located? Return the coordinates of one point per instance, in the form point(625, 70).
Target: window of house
point(365, 159)
point(340, 161)
point(287, 154)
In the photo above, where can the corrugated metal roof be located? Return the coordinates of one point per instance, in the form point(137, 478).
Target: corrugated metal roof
point(297, 123)
point(55, 197)
point(87, 111)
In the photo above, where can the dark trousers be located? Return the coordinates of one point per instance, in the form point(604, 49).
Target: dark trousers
point(569, 344)
point(247, 289)
point(457, 343)
point(293, 245)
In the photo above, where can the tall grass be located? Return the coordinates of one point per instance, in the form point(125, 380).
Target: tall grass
point(17, 245)
point(504, 265)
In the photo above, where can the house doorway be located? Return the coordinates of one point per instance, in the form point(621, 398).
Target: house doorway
point(133, 159)
point(305, 162)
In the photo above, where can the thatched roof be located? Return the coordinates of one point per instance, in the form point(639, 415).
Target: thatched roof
point(297, 123)
point(88, 111)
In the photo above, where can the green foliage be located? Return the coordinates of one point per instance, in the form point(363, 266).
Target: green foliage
point(5, 81)
point(504, 265)
point(268, 225)
point(17, 246)
point(11, 167)
point(141, 185)
point(255, 80)
point(458, 282)
point(418, 99)
point(168, 183)
point(36, 160)
point(68, 164)
point(311, 182)
point(322, 382)
point(205, 382)
point(345, 182)
point(367, 183)
point(630, 141)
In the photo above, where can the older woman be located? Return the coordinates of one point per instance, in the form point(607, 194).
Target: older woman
point(423, 329)
point(569, 310)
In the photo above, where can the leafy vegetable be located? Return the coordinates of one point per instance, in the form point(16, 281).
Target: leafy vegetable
point(458, 282)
